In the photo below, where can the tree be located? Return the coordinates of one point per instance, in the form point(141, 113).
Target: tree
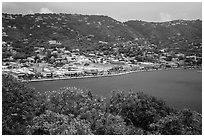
point(19, 105)
point(138, 109)
point(71, 111)
point(184, 122)
point(51, 123)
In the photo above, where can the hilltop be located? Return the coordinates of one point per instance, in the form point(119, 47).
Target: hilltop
point(175, 34)
point(94, 32)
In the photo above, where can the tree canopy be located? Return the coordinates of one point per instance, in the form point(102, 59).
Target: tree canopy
point(71, 111)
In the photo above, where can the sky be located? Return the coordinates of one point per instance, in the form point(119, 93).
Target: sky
point(121, 11)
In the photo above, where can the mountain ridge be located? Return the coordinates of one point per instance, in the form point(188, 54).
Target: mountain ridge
point(89, 31)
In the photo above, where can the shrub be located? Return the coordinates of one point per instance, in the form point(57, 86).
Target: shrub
point(184, 122)
point(70, 100)
point(169, 125)
point(138, 109)
point(191, 121)
point(109, 124)
point(52, 123)
point(19, 105)
point(71, 111)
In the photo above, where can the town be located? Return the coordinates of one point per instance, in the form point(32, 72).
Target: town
point(57, 46)
point(101, 68)
point(64, 64)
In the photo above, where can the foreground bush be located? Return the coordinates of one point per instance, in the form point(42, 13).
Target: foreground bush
point(185, 122)
point(138, 109)
point(52, 123)
point(86, 106)
point(71, 111)
point(19, 105)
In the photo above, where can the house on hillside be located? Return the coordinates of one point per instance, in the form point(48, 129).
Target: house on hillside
point(31, 59)
point(54, 42)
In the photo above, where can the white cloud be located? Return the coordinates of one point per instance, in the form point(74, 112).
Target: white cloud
point(45, 10)
point(165, 17)
point(30, 12)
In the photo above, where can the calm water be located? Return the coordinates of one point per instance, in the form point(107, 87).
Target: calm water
point(179, 88)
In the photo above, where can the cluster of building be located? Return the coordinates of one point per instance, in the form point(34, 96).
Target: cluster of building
point(64, 63)
point(110, 57)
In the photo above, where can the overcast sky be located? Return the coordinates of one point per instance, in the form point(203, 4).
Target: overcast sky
point(122, 11)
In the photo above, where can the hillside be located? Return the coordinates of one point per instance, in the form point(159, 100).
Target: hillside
point(174, 34)
point(89, 32)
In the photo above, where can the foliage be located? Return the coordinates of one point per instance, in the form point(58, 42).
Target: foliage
point(70, 100)
point(26, 31)
point(137, 108)
point(184, 122)
point(168, 125)
point(109, 124)
point(19, 105)
point(52, 123)
point(71, 111)
point(88, 107)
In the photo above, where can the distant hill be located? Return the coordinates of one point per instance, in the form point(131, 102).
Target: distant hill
point(172, 33)
point(88, 31)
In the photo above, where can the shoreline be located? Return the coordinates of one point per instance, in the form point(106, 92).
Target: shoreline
point(98, 76)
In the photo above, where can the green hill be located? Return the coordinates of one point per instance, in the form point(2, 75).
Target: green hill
point(89, 31)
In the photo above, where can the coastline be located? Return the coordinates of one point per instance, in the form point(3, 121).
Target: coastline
point(173, 85)
point(98, 76)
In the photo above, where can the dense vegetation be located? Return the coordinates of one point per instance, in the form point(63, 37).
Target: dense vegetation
point(24, 32)
point(76, 112)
